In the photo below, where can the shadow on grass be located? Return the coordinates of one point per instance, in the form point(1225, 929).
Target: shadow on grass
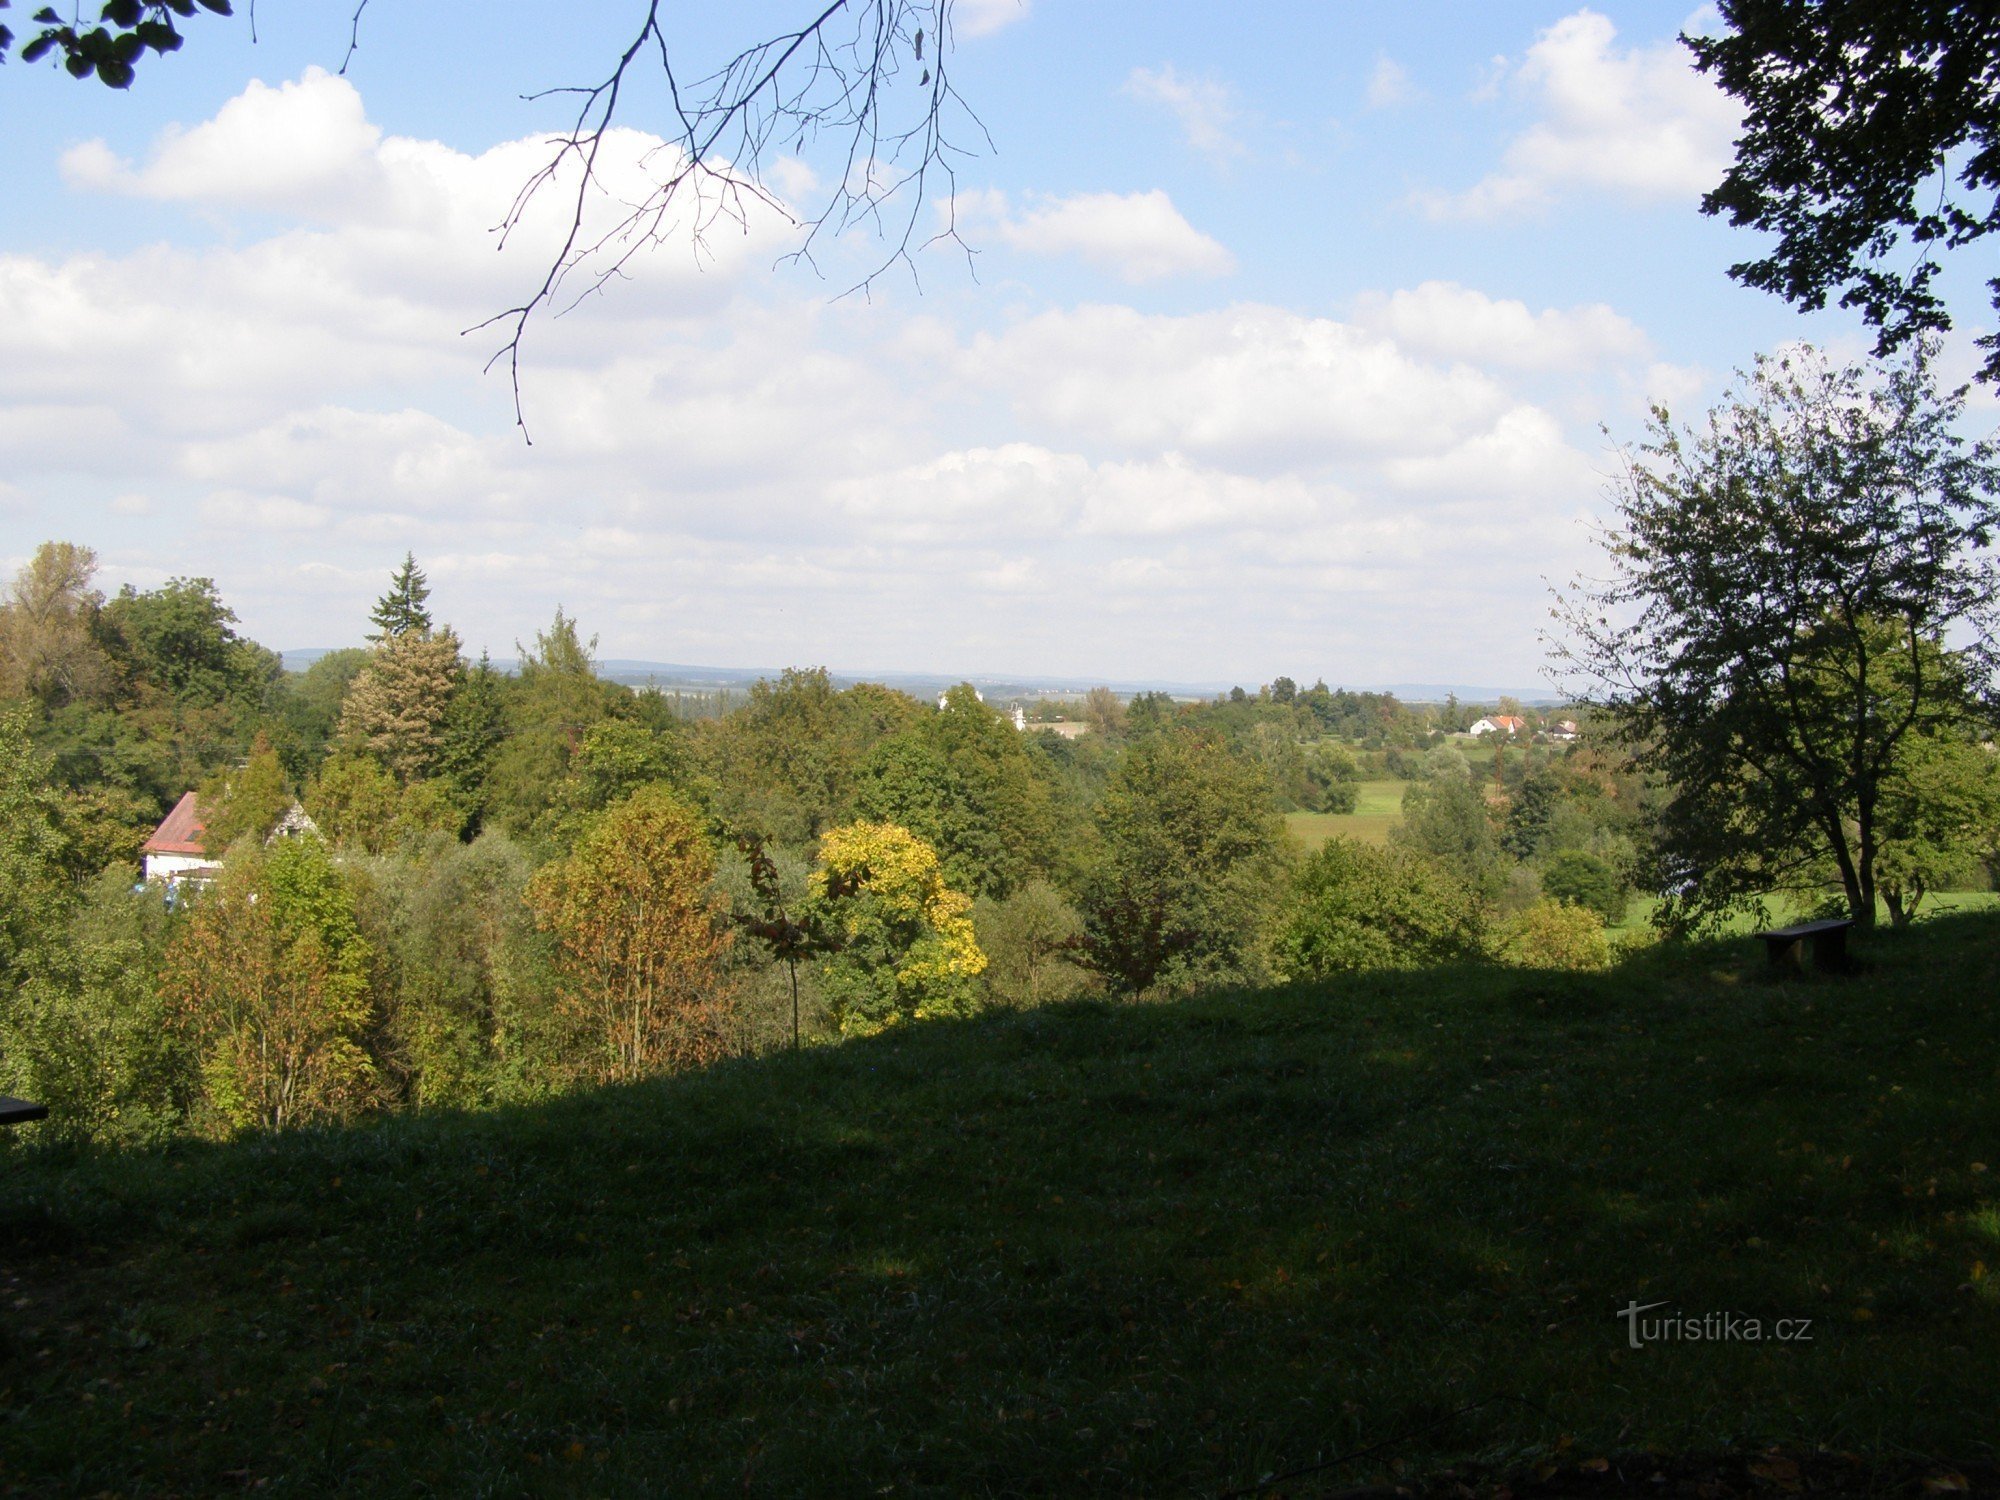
point(1154, 1248)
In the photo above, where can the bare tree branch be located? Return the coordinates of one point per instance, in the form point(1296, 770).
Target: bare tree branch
point(842, 75)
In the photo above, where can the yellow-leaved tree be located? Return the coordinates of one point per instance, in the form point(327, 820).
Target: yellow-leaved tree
point(270, 986)
point(906, 945)
point(638, 936)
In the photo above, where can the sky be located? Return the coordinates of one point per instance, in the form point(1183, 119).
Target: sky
point(1290, 339)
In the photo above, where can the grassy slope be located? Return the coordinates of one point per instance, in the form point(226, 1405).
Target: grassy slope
point(1152, 1250)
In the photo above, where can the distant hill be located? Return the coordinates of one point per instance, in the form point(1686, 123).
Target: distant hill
point(671, 675)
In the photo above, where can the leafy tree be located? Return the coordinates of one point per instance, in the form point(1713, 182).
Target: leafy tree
point(1031, 940)
point(1447, 818)
point(906, 945)
point(182, 639)
point(87, 1034)
point(964, 783)
point(248, 799)
point(1354, 906)
point(1582, 879)
point(1103, 711)
point(396, 706)
point(39, 867)
point(1939, 818)
point(111, 50)
point(1871, 142)
point(48, 637)
point(553, 704)
point(270, 987)
point(1186, 841)
point(470, 735)
point(637, 937)
point(474, 1018)
point(401, 610)
point(1531, 813)
point(1785, 582)
point(307, 709)
point(1554, 934)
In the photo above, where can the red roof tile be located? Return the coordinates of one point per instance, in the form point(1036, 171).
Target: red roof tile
point(181, 832)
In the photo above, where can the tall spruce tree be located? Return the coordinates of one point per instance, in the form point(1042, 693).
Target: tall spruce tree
point(401, 611)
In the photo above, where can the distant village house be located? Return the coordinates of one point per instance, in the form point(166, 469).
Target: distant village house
point(1500, 724)
point(176, 851)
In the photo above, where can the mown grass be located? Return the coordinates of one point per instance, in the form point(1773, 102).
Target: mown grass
point(1157, 1250)
point(1377, 809)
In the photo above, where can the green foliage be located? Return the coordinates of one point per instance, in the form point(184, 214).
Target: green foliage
point(964, 783)
point(475, 1020)
point(181, 638)
point(1186, 847)
point(306, 707)
point(1939, 817)
point(1789, 577)
point(637, 937)
point(1582, 879)
point(87, 1034)
point(246, 800)
point(1356, 907)
point(39, 865)
point(1030, 940)
point(401, 610)
point(1448, 819)
point(112, 50)
point(1868, 129)
point(906, 945)
point(554, 703)
point(270, 988)
point(1554, 934)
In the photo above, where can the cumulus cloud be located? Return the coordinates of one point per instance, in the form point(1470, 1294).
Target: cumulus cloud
point(1639, 122)
point(731, 472)
point(1140, 237)
point(1261, 388)
point(1449, 321)
point(1206, 109)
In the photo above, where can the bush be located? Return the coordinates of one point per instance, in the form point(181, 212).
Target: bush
point(1585, 880)
point(1554, 934)
point(1358, 907)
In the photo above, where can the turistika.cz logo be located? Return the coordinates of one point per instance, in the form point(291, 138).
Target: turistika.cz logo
point(1677, 1327)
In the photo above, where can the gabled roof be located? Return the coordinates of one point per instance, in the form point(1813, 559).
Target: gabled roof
point(182, 831)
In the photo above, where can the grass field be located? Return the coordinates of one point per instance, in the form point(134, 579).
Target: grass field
point(1378, 809)
point(1088, 1250)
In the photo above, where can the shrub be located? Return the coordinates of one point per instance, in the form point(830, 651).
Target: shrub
point(1554, 934)
point(1358, 907)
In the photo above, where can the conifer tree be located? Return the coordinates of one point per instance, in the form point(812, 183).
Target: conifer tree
point(401, 611)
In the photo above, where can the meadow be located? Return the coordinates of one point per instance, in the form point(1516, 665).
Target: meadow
point(1378, 808)
point(1216, 1246)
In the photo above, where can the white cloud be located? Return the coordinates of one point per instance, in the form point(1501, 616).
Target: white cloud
point(305, 146)
point(726, 471)
point(1205, 108)
point(1639, 122)
point(984, 17)
point(1258, 388)
point(1139, 236)
point(1449, 321)
point(1389, 84)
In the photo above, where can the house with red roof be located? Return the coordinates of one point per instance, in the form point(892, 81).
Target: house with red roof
point(1500, 724)
point(176, 851)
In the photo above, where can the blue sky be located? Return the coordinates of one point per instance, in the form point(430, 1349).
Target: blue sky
point(1289, 345)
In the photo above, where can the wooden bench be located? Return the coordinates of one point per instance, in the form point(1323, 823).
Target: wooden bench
point(1827, 941)
point(20, 1111)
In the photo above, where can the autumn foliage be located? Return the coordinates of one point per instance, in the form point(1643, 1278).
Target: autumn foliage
point(637, 936)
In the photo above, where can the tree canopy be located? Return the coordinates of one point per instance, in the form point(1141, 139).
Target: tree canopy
point(1775, 632)
point(1871, 143)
